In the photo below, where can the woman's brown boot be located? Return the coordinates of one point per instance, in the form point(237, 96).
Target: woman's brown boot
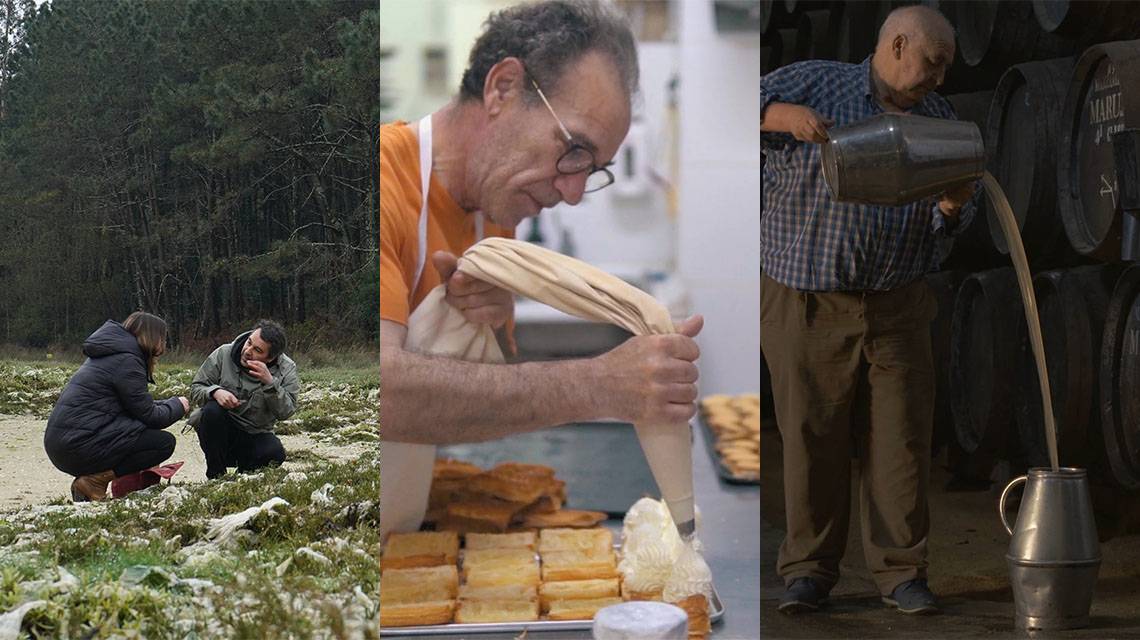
point(91, 487)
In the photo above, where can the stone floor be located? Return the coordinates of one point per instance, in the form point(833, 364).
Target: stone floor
point(967, 573)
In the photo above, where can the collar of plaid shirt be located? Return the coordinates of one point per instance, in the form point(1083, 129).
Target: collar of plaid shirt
point(810, 242)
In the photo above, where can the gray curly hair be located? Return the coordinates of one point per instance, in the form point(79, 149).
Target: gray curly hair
point(548, 36)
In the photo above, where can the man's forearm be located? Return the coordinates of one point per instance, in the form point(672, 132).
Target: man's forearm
point(432, 400)
point(775, 118)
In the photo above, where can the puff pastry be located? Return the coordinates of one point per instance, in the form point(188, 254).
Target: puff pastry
point(497, 611)
point(579, 609)
point(415, 614)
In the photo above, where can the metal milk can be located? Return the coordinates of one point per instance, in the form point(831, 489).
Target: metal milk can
point(1053, 553)
point(895, 159)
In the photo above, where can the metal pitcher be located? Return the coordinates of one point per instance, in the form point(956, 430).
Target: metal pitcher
point(1053, 554)
point(894, 158)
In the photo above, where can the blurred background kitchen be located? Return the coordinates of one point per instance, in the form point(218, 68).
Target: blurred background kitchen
point(681, 221)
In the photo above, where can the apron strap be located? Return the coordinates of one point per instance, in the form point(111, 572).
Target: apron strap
point(425, 182)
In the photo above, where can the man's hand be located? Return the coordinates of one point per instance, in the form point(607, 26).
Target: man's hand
point(226, 399)
point(257, 369)
point(185, 404)
point(652, 379)
point(480, 302)
point(802, 122)
point(954, 199)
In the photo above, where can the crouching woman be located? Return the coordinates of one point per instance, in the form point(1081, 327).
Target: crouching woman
point(105, 424)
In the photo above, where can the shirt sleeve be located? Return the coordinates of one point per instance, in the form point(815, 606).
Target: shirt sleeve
point(394, 288)
point(965, 216)
point(790, 84)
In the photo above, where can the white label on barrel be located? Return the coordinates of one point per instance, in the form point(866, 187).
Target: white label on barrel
point(1101, 116)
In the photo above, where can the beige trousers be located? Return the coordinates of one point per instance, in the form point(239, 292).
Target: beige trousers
point(852, 372)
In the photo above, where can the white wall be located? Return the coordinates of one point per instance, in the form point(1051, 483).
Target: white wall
point(408, 27)
point(628, 235)
point(719, 236)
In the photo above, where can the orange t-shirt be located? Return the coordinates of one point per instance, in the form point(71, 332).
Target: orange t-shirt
point(449, 228)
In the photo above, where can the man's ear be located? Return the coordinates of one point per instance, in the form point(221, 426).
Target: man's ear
point(505, 82)
point(897, 46)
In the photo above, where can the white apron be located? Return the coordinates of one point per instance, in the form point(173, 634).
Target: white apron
point(405, 468)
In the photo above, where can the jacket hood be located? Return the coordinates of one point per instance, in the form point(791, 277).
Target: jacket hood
point(109, 339)
point(238, 345)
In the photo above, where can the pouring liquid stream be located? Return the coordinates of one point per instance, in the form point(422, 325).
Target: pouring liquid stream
point(1029, 302)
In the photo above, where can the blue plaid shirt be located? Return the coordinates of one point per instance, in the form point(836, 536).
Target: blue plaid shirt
point(813, 243)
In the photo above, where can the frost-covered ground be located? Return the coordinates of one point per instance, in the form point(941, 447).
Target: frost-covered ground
point(284, 553)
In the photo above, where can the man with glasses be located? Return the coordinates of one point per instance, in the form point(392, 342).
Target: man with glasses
point(542, 109)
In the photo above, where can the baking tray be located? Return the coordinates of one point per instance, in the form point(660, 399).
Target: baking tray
point(716, 612)
point(721, 469)
point(601, 462)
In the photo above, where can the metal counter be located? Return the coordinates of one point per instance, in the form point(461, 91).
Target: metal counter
point(730, 531)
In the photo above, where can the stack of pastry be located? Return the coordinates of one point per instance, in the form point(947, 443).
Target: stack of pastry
point(579, 573)
point(658, 565)
point(419, 582)
point(735, 421)
point(510, 496)
point(501, 579)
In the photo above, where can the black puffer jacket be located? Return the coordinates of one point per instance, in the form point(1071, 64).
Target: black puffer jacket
point(105, 406)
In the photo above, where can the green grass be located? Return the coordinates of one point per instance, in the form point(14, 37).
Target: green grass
point(268, 582)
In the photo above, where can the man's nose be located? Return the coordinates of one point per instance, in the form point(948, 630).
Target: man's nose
point(571, 187)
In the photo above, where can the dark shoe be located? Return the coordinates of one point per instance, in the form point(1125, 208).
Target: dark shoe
point(802, 595)
point(91, 487)
point(913, 597)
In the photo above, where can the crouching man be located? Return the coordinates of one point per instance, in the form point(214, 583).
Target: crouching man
point(243, 389)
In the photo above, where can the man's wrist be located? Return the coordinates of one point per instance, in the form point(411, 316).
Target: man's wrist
point(950, 217)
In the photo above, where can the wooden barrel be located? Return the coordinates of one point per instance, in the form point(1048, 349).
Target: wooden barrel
point(853, 29)
point(984, 336)
point(1120, 380)
point(768, 59)
point(1021, 142)
point(1103, 97)
point(813, 39)
point(1089, 21)
point(997, 33)
point(944, 285)
point(1071, 305)
point(775, 15)
point(788, 45)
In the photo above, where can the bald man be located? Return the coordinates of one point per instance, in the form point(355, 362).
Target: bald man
point(845, 318)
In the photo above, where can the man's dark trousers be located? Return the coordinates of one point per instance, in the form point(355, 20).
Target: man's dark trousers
point(226, 444)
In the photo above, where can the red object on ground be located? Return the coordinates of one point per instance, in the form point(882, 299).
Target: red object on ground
point(132, 482)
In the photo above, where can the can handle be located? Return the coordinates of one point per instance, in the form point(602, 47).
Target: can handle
point(1001, 502)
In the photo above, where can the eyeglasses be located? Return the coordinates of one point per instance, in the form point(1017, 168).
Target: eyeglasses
point(577, 158)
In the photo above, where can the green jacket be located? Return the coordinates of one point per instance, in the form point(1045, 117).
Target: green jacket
point(262, 405)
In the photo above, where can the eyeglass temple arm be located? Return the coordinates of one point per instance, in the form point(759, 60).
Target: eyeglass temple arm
point(569, 138)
